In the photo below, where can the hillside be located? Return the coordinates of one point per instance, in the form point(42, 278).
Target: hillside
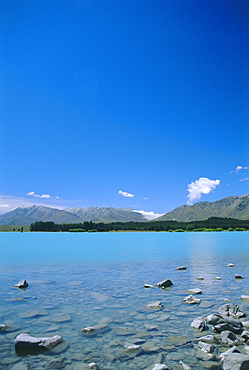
point(233, 207)
point(28, 215)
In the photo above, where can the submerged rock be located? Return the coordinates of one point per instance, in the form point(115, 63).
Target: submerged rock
point(184, 366)
point(26, 344)
point(95, 330)
point(245, 298)
point(167, 283)
point(22, 284)
point(232, 310)
point(190, 299)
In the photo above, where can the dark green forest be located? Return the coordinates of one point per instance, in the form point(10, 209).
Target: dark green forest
point(211, 224)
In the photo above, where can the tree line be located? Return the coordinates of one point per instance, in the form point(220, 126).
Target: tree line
point(211, 224)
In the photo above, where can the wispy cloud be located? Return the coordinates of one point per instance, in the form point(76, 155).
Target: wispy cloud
point(125, 194)
point(199, 187)
point(43, 196)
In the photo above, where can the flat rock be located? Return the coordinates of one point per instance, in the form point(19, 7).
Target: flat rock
point(26, 344)
point(123, 330)
point(158, 367)
point(149, 347)
point(179, 340)
point(96, 330)
point(195, 291)
point(155, 305)
point(207, 338)
point(232, 310)
point(64, 318)
point(236, 361)
point(33, 313)
point(181, 268)
point(233, 349)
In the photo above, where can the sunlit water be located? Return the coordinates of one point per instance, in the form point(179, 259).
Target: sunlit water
point(80, 280)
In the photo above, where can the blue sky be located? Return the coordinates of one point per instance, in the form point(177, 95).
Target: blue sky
point(131, 103)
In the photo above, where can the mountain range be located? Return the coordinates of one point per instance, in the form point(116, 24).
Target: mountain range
point(232, 207)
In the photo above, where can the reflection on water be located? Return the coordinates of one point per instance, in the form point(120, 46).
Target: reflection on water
point(65, 297)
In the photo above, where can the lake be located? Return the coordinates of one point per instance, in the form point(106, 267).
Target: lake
point(78, 280)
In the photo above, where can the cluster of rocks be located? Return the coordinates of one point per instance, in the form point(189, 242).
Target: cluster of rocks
point(229, 331)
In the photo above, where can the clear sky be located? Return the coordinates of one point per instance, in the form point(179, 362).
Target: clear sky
point(123, 103)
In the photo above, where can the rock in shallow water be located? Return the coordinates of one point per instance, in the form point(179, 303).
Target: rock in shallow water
point(190, 299)
point(222, 322)
point(22, 284)
point(167, 283)
point(26, 344)
point(199, 323)
point(232, 310)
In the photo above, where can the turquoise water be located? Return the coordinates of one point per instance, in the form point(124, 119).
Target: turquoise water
point(85, 279)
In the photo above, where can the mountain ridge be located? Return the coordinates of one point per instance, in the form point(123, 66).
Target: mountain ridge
point(231, 207)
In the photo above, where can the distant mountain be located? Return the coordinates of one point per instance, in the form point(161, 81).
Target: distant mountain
point(232, 207)
point(110, 214)
point(28, 215)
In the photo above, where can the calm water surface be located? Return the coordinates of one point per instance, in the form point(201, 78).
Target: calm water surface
point(85, 279)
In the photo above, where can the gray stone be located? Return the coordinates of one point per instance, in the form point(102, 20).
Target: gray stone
point(195, 291)
point(236, 361)
point(227, 337)
point(96, 330)
point(245, 324)
point(123, 331)
point(230, 265)
point(234, 349)
point(93, 366)
point(167, 283)
point(149, 347)
point(222, 322)
point(23, 284)
point(158, 367)
point(206, 338)
point(206, 347)
point(199, 323)
point(190, 299)
point(232, 310)
point(24, 343)
point(3, 327)
point(155, 305)
point(129, 352)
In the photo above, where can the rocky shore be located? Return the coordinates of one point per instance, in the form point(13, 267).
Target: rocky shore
point(157, 335)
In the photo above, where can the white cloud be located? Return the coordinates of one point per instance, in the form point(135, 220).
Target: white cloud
point(43, 196)
point(125, 194)
point(239, 168)
point(201, 186)
point(244, 179)
point(149, 215)
point(4, 205)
